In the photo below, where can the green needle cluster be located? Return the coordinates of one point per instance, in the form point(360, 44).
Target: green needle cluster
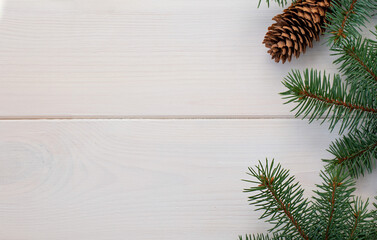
point(333, 212)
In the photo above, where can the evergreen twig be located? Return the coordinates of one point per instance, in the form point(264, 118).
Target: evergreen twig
point(333, 212)
point(316, 96)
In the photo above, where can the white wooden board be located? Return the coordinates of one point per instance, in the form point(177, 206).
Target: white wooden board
point(122, 58)
point(137, 178)
point(134, 179)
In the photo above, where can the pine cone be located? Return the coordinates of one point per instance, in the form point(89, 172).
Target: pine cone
point(296, 28)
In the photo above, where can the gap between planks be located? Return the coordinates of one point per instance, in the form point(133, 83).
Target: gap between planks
point(151, 117)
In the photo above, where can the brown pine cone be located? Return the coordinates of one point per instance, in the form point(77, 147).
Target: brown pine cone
point(296, 28)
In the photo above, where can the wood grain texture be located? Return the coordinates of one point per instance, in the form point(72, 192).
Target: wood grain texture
point(95, 58)
point(143, 179)
point(134, 179)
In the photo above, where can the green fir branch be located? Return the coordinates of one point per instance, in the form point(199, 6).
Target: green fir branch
point(316, 97)
point(362, 221)
point(357, 152)
point(280, 198)
point(331, 207)
point(357, 61)
point(347, 17)
point(332, 214)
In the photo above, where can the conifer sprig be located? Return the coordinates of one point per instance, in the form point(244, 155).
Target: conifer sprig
point(357, 151)
point(280, 198)
point(331, 206)
point(317, 97)
point(357, 61)
point(362, 221)
point(333, 213)
point(347, 17)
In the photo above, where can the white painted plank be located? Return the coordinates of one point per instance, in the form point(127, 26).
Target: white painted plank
point(78, 58)
point(127, 179)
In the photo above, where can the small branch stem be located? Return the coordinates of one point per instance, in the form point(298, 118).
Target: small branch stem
point(332, 209)
point(341, 160)
point(350, 106)
point(355, 225)
point(286, 211)
point(353, 54)
point(340, 32)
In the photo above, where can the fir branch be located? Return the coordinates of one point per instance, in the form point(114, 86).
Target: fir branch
point(315, 95)
point(346, 18)
point(331, 206)
point(356, 222)
point(277, 195)
point(279, 201)
point(347, 13)
point(357, 61)
point(354, 226)
point(354, 54)
point(304, 93)
point(362, 222)
point(357, 154)
point(334, 213)
point(357, 151)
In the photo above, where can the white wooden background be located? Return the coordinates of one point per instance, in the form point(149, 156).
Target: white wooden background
point(136, 119)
